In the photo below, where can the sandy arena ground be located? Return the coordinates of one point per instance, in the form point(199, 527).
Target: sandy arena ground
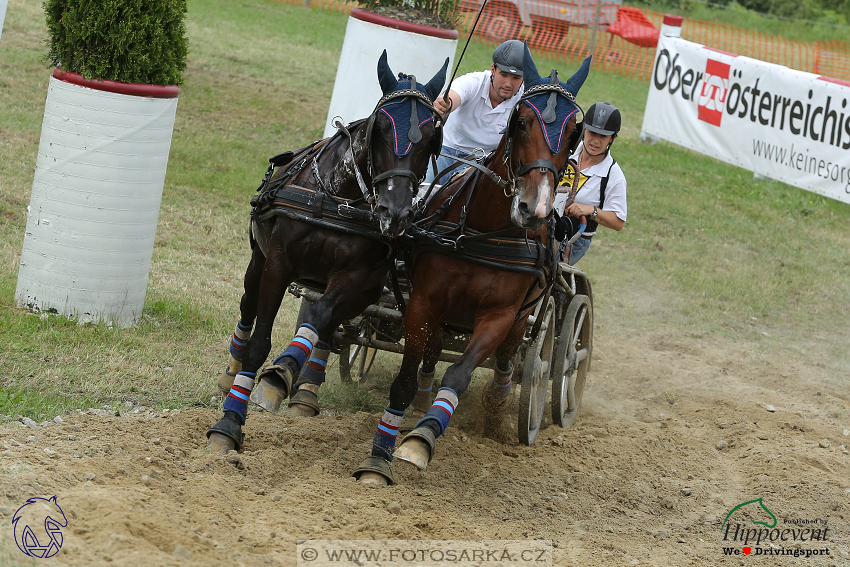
point(672, 434)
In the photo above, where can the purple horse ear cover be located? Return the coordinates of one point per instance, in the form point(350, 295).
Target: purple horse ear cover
point(399, 112)
point(564, 109)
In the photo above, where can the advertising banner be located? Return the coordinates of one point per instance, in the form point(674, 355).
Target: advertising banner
point(769, 119)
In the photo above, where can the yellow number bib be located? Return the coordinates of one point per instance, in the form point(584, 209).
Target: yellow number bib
point(569, 177)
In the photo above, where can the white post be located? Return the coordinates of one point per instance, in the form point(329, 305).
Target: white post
point(671, 26)
point(3, 4)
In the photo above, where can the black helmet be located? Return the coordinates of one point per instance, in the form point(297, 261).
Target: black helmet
point(603, 118)
point(509, 56)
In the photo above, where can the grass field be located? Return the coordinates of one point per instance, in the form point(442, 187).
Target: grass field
point(707, 251)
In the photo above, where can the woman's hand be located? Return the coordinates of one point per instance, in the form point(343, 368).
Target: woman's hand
point(607, 219)
point(577, 210)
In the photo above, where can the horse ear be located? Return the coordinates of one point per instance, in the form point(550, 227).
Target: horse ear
point(530, 75)
point(385, 75)
point(575, 82)
point(435, 85)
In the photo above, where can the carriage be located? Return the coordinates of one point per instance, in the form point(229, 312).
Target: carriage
point(474, 272)
point(559, 353)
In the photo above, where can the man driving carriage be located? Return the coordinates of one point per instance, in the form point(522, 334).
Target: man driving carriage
point(481, 103)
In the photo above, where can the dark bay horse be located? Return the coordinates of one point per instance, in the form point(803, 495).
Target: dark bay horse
point(328, 221)
point(513, 201)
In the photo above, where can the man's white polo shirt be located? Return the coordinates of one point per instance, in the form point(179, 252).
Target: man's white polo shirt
point(476, 124)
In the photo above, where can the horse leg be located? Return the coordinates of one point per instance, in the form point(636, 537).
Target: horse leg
point(227, 434)
point(245, 324)
point(425, 382)
point(425, 375)
point(490, 330)
point(497, 393)
point(307, 354)
point(423, 340)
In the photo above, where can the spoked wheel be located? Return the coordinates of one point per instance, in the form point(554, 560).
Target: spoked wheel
point(572, 360)
point(354, 359)
point(535, 375)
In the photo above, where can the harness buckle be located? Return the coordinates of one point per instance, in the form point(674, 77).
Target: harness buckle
point(456, 243)
point(345, 210)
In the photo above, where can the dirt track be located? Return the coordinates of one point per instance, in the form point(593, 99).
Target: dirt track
point(638, 480)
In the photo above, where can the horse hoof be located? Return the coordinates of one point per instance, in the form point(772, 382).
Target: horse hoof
point(495, 399)
point(374, 471)
point(421, 404)
point(415, 452)
point(225, 381)
point(273, 387)
point(224, 436)
point(373, 479)
point(418, 447)
point(304, 403)
point(218, 443)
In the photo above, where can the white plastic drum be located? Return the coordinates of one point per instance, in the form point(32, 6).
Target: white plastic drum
point(95, 198)
point(3, 4)
point(412, 49)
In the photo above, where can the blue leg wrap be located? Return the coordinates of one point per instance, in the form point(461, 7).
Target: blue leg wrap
point(314, 371)
point(442, 409)
point(237, 400)
point(384, 441)
point(301, 346)
point(240, 338)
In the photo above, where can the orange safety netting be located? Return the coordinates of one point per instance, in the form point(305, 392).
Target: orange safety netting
point(625, 39)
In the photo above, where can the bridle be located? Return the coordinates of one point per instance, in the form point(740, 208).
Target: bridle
point(414, 135)
point(548, 115)
point(544, 165)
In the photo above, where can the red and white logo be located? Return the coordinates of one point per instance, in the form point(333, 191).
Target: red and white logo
point(712, 95)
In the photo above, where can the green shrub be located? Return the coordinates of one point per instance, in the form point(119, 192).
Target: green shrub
point(437, 13)
point(132, 41)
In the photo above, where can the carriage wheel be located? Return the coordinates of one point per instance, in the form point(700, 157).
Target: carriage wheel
point(356, 360)
point(535, 375)
point(572, 360)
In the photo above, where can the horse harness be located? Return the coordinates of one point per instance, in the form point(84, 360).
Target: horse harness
point(279, 196)
point(496, 249)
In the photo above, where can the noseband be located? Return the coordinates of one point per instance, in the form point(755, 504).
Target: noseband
point(415, 135)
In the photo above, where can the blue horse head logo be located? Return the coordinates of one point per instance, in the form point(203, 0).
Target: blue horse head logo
point(38, 527)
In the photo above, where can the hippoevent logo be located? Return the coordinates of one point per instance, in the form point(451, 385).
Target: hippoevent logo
point(38, 527)
point(712, 95)
point(751, 528)
point(722, 89)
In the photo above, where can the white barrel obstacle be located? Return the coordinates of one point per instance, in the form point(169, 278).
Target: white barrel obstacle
point(95, 198)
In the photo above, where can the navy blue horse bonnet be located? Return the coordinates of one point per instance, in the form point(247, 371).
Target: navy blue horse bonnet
point(407, 115)
point(553, 110)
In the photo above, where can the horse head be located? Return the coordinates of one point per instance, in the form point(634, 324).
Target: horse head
point(403, 133)
point(537, 149)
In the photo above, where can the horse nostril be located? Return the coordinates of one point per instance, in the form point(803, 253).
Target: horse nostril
point(523, 209)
